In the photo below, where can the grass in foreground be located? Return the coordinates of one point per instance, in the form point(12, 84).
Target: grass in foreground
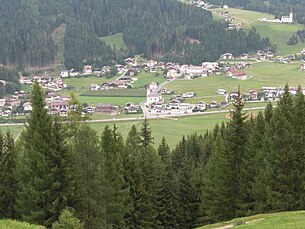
point(282, 220)
point(11, 224)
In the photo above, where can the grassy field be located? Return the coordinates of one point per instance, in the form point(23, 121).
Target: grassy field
point(11, 224)
point(263, 74)
point(282, 220)
point(146, 78)
point(115, 40)
point(15, 130)
point(120, 101)
point(277, 32)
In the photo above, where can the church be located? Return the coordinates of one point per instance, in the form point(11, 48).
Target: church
point(287, 19)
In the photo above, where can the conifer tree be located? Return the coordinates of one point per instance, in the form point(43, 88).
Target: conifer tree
point(168, 198)
point(8, 177)
point(67, 220)
point(89, 175)
point(146, 136)
point(35, 196)
point(115, 191)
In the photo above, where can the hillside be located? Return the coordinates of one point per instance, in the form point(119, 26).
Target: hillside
point(283, 220)
point(276, 7)
point(11, 224)
point(278, 33)
point(43, 32)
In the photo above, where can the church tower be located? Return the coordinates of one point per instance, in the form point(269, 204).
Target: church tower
point(291, 15)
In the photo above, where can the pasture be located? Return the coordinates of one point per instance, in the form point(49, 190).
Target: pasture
point(118, 101)
point(263, 74)
point(145, 78)
point(278, 33)
point(115, 41)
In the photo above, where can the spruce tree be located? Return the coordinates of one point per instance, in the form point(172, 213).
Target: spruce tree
point(115, 191)
point(8, 177)
point(35, 196)
point(67, 220)
point(146, 136)
point(89, 174)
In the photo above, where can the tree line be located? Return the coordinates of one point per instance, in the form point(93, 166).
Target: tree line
point(60, 173)
point(154, 28)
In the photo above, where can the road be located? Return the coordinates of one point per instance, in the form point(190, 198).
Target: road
point(152, 116)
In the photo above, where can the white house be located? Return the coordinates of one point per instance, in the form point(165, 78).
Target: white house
point(27, 106)
point(227, 56)
point(88, 69)
point(94, 87)
point(64, 73)
point(287, 19)
point(152, 94)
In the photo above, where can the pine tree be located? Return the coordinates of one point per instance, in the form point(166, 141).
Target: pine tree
point(89, 176)
point(35, 196)
point(62, 168)
point(146, 136)
point(67, 220)
point(115, 191)
point(168, 198)
point(8, 177)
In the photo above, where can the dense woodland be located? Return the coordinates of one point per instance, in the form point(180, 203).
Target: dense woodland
point(152, 28)
point(277, 7)
point(65, 173)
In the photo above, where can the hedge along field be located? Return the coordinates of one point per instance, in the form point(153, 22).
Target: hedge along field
point(117, 93)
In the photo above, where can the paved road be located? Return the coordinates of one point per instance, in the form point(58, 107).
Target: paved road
point(150, 117)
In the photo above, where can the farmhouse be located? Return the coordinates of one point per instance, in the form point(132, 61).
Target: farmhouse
point(237, 74)
point(152, 96)
point(94, 87)
point(64, 73)
point(106, 109)
point(87, 69)
point(227, 56)
point(151, 63)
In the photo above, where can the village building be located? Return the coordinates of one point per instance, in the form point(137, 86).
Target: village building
point(288, 19)
point(227, 56)
point(94, 87)
point(151, 63)
point(152, 95)
point(88, 69)
point(27, 107)
point(107, 109)
point(64, 73)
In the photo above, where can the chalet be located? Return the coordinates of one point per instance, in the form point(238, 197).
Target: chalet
point(154, 98)
point(151, 63)
point(172, 73)
point(97, 71)
point(237, 74)
point(27, 107)
point(64, 73)
point(227, 56)
point(88, 69)
point(244, 56)
point(201, 106)
point(105, 86)
point(188, 95)
point(221, 91)
point(159, 110)
point(59, 105)
point(213, 104)
point(94, 87)
point(302, 67)
point(233, 95)
point(131, 72)
point(113, 85)
point(106, 109)
point(210, 65)
point(121, 84)
point(129, 61)
point(74, 73)
point(90, 110)
point(223, 104)
point(165, 91)
point(153, 69)
point(174, 104)
point(253, 95)
point(132, 109)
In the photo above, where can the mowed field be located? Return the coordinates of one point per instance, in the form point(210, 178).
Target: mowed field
point(12, 224)
point(282, 220)
point(278, 33)
point(262, 74)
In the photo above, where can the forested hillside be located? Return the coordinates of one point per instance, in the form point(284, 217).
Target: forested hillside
point(64, 173)
point(276, 7)
point(155, 27)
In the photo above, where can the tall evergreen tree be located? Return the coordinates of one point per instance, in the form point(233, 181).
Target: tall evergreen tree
point(35, 196)
point(89, 175)
point(8, 173)
point(146, 136)
point(115, 191)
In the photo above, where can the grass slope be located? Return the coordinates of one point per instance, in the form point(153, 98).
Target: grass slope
point(115, 40)
point(11, 224)
point(277, 32)
point(263, 74)
point(282, 220)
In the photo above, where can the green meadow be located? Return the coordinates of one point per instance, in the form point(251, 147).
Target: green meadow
point(278, 33)
point(281, 220)
point(115, 40)
point(12, 224)
point(262, 74)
